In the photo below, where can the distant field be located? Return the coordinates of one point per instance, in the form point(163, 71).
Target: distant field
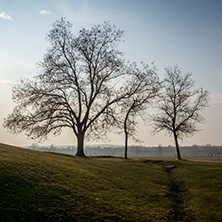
point(37, 186)
point(206, 159)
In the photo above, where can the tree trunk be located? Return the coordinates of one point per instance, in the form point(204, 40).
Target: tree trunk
point(177, 146)
point(80, 145)
point(126, 131)
point(126, 144)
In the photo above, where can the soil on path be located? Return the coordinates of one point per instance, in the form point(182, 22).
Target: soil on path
point(179, 196)
point(181, 208)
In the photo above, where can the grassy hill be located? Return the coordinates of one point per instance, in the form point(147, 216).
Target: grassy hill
point(37, 186)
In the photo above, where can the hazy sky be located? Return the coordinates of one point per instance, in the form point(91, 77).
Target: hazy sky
point(169, 32)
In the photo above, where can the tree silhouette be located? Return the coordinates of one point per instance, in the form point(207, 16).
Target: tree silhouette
point(179, 106)
point(78, 87)
point(144, 84)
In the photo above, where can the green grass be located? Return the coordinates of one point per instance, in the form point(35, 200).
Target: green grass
point(38, 186)
point(204, 184)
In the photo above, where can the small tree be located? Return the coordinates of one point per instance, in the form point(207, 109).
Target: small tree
point(179, 106)
point(77, 86)
point(144, 86)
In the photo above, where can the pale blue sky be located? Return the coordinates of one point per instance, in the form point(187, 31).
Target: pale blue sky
point(169, 32)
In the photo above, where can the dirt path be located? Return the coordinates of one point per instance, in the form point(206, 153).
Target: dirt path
point(181, 209)
point(179, 196)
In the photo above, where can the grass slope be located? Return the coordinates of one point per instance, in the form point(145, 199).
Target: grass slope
point(204, 184)
point(38, 186)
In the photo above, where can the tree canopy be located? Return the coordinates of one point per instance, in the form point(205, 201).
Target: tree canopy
point(80, 82)
point(180, 106)
point(145, 84)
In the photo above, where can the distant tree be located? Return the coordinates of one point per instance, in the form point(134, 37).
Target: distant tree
point(179, 106)
point(144, 85)
point(78, 86)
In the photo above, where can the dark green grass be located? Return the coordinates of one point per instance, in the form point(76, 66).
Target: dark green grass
point(38, 186)
point(47, 187)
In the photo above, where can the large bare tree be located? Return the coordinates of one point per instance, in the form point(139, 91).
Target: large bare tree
point(144, 85)
point(179, 106)
point(78, 85)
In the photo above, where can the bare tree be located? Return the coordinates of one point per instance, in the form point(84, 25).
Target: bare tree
point(179, 106)
point(144, 86)
point(78, 86)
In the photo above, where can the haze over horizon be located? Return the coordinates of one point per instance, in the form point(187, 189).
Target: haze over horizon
point(168, 32)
